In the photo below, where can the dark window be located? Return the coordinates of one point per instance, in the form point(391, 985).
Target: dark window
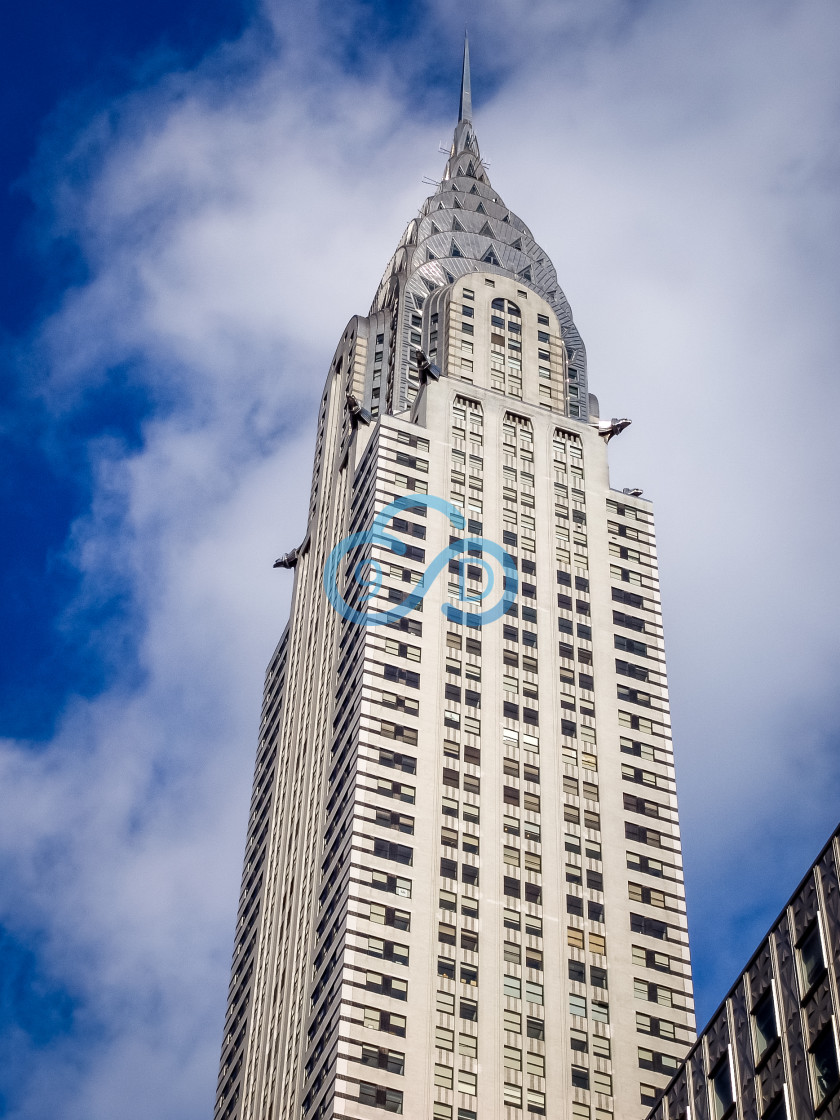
point(405, 676)
point(630, 645)
point(584, 631)
point(633, 696)
point(400, 525)
point(765, 1029)
point(824, 1065)
point(513, 888)
point(510, 711)
point(390, 818)
point(648, 926)
point(564, 578)
point(629, 597)
point(640, 805)
point(720, 1082)
point(585, 680)
point(628, 669)
point(449, 868)
point(574, 905)
point(533, 959)
point(564, 601)
point(403, 762)
point(628, 620)
point(378, 1097)
point(777, 1110)
point(400, 853)
point(577, 972)
point(811, 959)
point(580, 1077)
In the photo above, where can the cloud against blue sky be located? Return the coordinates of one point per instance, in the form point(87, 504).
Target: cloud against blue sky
point(195, 223)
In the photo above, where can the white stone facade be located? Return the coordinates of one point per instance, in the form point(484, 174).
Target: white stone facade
point(463, 893)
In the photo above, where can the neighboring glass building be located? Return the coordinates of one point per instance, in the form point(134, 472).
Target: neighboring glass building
point(770, 1050)
point(463, 891)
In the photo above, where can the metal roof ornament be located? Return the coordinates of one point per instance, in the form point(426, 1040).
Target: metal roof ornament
point(465, 104)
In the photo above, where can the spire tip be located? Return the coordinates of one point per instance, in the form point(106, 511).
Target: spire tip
point(465, 105)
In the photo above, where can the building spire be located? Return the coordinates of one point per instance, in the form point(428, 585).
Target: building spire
point(465, 105)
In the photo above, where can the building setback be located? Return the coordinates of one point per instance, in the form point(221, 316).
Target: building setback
point(770, 1050)
point(463, 894)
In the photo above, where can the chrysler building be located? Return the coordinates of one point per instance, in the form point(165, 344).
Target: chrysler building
point(462, 895)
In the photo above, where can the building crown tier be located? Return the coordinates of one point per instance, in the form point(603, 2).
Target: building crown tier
point(465, 227)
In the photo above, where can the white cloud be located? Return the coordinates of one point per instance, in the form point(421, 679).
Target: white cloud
point(673, 166)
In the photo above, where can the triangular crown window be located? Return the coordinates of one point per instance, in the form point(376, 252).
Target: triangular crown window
point(450, 277)
point(456, 225)
point(430, 284)
point(434, 228)
point(490, 257)
point(480, 209)
point(486, 230)
point(471, 170)
point(418, 301)
point(517, 244)
point(454, 251)
point(525, 274)
point(473, 189)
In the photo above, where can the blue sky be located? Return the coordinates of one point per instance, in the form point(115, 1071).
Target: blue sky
point(177, 184)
